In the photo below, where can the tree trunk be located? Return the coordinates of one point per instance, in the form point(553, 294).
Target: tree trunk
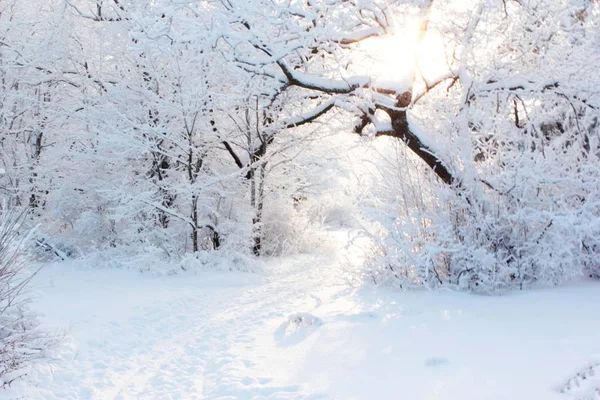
point(195, 245)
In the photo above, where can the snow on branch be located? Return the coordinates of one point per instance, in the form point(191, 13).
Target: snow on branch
point(325, 85)
point(513, 84)
point(311, 116)
point(340, 86)
point(360, 36)
point(166, 210)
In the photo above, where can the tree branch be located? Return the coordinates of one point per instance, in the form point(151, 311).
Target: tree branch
point(233, 154)
point(311, 116)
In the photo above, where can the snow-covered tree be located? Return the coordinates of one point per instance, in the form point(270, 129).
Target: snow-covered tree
point(32, 82)
point(499, 124)
point(180, 127)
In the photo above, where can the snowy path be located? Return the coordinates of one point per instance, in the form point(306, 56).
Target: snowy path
point(141, 337)
point(301, 332)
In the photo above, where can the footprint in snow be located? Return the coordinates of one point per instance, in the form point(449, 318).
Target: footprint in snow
point(436, 361)
point(367, 316)
point(296, 329)
point(583, 384)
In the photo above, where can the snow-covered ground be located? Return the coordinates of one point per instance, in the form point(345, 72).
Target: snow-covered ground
point(301, 330)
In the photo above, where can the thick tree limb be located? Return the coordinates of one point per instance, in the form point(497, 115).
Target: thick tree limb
point(402, 130)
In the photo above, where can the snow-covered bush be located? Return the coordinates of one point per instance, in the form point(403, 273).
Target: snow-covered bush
point(486, 248)
point(529, 216)
point(287, 230)
point(21, 340)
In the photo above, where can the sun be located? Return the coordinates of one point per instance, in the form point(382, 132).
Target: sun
point(404, 55)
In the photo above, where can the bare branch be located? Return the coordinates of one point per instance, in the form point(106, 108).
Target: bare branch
point(233, 154)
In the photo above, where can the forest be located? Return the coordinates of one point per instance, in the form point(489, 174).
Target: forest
point(220, 148)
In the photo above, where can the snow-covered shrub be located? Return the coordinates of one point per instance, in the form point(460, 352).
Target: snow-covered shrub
point(287, 230)
point(528, 218)
point(21, 340)
point(484, 252)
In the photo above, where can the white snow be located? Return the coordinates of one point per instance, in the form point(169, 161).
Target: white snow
point(302, 331)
